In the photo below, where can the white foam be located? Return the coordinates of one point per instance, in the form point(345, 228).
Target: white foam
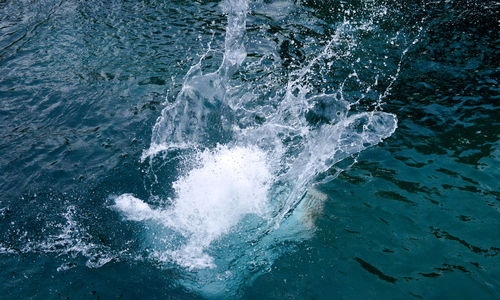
point(70, 239)
point(133, 208)
point(229, 184)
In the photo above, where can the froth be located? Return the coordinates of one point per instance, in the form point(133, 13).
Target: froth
point(133, 208)
point(227, 185)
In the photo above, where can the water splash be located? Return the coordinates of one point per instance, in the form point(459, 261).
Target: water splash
point(200, 113)
point(70, 240)
point(210, 200)
point(252, 160)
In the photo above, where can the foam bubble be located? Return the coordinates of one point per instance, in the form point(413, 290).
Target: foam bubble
point(133, 208)
point(228, 184)
point(231, 183)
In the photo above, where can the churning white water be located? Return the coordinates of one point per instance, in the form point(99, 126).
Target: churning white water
point(229, 184)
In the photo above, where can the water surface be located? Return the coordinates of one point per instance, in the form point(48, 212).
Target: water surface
point(249, 149)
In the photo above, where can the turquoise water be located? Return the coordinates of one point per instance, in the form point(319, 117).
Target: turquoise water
point(249, 149)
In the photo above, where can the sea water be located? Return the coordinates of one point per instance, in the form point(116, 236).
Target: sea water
point(255, 149)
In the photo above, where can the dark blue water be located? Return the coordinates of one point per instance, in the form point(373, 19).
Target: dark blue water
point(207, 149)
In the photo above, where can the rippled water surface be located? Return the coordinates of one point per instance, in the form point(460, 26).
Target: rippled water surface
point(254, 149)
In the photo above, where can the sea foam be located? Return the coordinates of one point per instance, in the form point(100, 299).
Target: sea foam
point(227, 185)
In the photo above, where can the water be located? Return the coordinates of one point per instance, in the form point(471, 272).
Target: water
point(249, 149)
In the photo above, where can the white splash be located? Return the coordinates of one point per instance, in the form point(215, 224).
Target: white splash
point(228, 184)
point(201, 113)
point(255, 157)
point(71, 239)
